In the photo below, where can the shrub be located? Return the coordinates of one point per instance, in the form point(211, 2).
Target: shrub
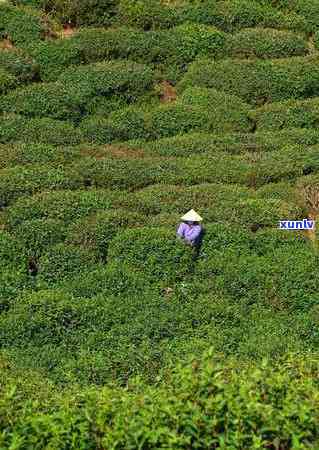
point(55, 100)
point(157, 253)
point(266, 43)
point(27, 154)
point(62, 261)
point(112, 280)
point(11, 251)
point(107, 78)
point(229, 112)
point(147, 14)
point(234, 15)
point(85, 12)
point(52, 57)
point(257, 81)
point(289, 114)
point(268, 241)
point(121, 125)
point(13, 282)
point(21, 25)
point(67, 206)
point(19, 64)
point(15, 128)
point(21, 181)
point(7, 81)
point(95, 232)
point(37, 235)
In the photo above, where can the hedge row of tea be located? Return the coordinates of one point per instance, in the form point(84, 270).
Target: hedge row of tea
point(110, 130)
point(206, 404)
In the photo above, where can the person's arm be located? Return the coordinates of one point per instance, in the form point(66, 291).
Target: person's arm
point(181, 230)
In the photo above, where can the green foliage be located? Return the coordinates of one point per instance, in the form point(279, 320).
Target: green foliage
point(157, 254)
point(14, 128)
point(52, 57)
point(21, 181)
point(21, 25)
point(266, 43)
point(7, 81)
point(147, 14)
point(37, 235)
point(233, 15)
point(67, 206)
point(19, 64)
point(289, 114)
point(62, 261)
point(258, 81)
point(95, 232)
point(11, 252)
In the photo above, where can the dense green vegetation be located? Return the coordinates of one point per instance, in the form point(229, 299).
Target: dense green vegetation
point(118, 116)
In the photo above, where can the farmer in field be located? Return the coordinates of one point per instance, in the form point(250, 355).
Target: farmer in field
point(190, 230)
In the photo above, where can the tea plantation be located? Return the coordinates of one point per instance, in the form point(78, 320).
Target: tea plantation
point(117, 117)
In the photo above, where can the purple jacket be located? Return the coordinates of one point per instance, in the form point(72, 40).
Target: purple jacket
point(189, 233)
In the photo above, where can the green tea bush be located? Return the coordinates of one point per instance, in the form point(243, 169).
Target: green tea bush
point(37, 235)
point(257, 81)
point(95, 232)
point(306, 8)
point(267, 241)
point(7, 81)
point(112, 280)
point(234, 143)
point(157, 253)
point(19, 64)
point(67, 206)
point(55, 100)
point(147, 14)
point(122, 125)
point(288, 163)
point(229, 112)
point(21, 25)
point(52, 57)
point(289, 114)
point(22, 181)
point(27, 154)
point(11, 251)
point(107, 78)
point(86, 12)
point(14, 281)
point(163, 417)
point(64, 261)
point(266, 43)
point(233, 15)
point(14, 128)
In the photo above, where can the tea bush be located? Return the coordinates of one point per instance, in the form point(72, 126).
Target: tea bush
point(22, 181)
point(164, 418)
point(67, 206)
point(147, 15)
point(266, 43)
point(19, 64)
point(14, 128)
point(95, 232)
point(257, 81)
point(233, 15)
point(289, 114)
point(157, 254)
point(21, 25)
point(87, 12)
point(37, 235)
point(107, 78)
point(11, 251)
point(52, 57)
point(7, 81)
point(64, 261)
point(27, 154)
point(55, 100)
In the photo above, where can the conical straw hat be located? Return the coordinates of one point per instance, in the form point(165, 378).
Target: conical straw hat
point(192, 216)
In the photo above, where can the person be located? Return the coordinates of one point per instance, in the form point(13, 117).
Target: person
point(190, 230)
